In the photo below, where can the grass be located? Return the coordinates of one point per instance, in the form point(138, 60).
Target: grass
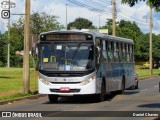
point(144, 73)
point(11, 79)
point(17, 95)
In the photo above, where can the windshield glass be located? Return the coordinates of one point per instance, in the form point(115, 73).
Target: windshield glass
point(66, 57)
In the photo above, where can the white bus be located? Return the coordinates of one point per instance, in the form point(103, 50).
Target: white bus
point(83, 63)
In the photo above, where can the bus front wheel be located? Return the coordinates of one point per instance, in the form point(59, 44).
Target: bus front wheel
point(53, 98)
point(102, 95)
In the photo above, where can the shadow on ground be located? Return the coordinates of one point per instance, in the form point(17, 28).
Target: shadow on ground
point(88, 99)
point(153, 105)
point(5, 77)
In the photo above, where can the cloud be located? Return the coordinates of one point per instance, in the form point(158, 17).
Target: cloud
point(138, 13)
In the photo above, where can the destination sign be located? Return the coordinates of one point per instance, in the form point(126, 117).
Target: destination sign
point(52, 37)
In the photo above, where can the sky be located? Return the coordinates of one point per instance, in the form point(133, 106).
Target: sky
point(89, 9)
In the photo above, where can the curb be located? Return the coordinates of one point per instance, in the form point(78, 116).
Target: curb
point(22, 98)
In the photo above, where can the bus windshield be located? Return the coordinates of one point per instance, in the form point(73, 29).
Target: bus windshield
point(66, 57)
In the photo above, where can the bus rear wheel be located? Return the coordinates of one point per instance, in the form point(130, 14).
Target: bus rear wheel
point(122, 86)
point(136, 87)
point(53, 98)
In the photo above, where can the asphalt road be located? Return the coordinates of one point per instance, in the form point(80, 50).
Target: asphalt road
point(137, 102)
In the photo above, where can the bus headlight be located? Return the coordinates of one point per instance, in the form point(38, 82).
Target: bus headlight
point(44, 81)
point(85, 82)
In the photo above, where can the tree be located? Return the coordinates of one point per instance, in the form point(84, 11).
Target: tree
point(81, 23)
point(16, 42)
point(153, 3)
point(40, 22)
point(124, 28)
point(108, 26)
point(2, 46)
point(142, 48)
point(130, 30)
point(127, 29)
point(156, 48)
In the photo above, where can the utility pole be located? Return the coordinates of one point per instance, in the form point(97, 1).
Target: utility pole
point(66, 16)
point(26, 48)
point(8, 54)
point(114, 17)
point(150, 52)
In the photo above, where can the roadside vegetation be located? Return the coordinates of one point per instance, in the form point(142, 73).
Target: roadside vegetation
point(14, 96)
point(11, 81)
point(144, 73)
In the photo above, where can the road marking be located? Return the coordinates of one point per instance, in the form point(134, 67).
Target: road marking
point(156, 86)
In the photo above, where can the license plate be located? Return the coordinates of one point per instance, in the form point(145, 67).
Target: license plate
point(64, 89)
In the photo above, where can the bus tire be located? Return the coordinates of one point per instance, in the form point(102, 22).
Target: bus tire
point(136, 87)
point(53, 98)
point(122, 86)
point(102, 95)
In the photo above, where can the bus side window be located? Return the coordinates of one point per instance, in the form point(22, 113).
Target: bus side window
point(120, 53)
point(131, 51)
point(127, 53)
point(124, 52)
point(109, 52)
point(112, 51)
point(104, 52)
point(116, 50)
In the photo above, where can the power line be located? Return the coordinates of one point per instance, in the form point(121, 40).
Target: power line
point(96, 3)
point(87, 6)
point(156, 28)
point(122, 16)
point(106, 13)
point(132, 17)
point(103, 12)
point(102, 1)
point(90, 7)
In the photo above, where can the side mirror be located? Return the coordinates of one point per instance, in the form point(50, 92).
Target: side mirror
point(35, 50)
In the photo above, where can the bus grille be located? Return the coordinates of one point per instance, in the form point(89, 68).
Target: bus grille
point(64, 75)
point(65, 82)
point(70, 91)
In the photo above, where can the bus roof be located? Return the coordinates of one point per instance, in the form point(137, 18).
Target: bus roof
point(94, 33)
